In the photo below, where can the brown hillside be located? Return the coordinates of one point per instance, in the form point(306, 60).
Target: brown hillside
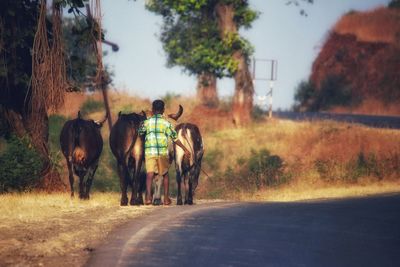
point(364, 49)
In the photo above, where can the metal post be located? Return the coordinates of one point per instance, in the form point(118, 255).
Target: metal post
point(271, 86)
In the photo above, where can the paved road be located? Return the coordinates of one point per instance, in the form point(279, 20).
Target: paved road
point(369, 120)
point(351, 232)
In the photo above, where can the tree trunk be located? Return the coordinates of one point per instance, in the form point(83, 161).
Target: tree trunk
point(50, 178)
point(242, 103)
point(207, 90)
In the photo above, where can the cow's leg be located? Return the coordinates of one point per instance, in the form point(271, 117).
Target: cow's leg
point(186, 186)
point(179, 184)
point(157, 191)
point(123, 184)
point(190, 192)
point(131, 179)
point(137, 197)
point(71, 177)
point(81, 186)
point(89, 180)
point(138, 182)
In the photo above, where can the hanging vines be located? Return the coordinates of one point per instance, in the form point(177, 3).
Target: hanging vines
point(48, 82)
point(97, 37)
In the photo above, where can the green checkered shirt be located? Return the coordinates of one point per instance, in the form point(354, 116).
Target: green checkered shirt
point(157, 130)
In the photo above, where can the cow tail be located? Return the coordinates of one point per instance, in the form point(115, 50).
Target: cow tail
point(78, 154)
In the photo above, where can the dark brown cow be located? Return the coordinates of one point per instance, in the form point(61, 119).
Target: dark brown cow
point(128, 148)
point(189, 169)
point(81, 143)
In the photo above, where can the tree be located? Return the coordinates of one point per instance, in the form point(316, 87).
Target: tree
point(32, 72)
point(81, 60)
point(394, 4)
point(190, 38)
point(232, 15)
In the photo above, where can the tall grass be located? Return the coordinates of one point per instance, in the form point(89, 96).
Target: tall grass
point(307, 153)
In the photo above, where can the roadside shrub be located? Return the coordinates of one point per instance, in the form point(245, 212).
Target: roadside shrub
point(305, 93)
point(20, 166)
point(334, 91)
point(258, 113)
point(90, 106)
point(260, 169)
point(351, 171)
point(212, 159)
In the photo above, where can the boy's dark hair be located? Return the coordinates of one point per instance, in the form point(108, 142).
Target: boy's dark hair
point(158, 106)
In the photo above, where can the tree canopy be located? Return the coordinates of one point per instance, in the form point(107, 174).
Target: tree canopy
point(192, 38)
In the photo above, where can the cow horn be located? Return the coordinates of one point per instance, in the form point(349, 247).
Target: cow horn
point(79, 114)
point(177, 115)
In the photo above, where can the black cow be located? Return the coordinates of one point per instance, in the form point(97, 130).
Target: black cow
point(188, 168)
point(81, 143)
point(128, 148)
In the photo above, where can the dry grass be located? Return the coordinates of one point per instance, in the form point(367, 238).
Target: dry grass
point(370, 106)
point(297, 192)
point(337, 147)
point(378, 25)
point(39, 229)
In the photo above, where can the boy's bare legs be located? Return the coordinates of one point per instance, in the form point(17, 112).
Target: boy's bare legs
point(149, 181)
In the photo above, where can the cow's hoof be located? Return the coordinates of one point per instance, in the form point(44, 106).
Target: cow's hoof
point(124, 202)
point(157, 202)
point(190, 202)
point(179, 201)
point(135, 202)
point(140, 201)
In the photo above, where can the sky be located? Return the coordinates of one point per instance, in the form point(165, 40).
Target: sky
point(280, 33)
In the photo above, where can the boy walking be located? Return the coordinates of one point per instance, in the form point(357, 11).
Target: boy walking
point(157, 131)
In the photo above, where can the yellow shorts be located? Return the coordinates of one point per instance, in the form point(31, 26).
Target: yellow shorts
point(157, 164)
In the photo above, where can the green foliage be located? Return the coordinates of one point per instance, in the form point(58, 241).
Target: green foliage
point(259, 170)
point(18, 21)
point(90, 106)
point(106, 178)
point(394, 4)
point(56, 122)
point(20, 166)
point(81, 58)
point(212, 159)
point(191, 35)
point(258, 113)
point(304, 95)
point(363, 166)
point(334, 91)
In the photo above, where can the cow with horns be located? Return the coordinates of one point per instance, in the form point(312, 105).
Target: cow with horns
point(128, 148)
point(81, 144)
point(188, 168)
